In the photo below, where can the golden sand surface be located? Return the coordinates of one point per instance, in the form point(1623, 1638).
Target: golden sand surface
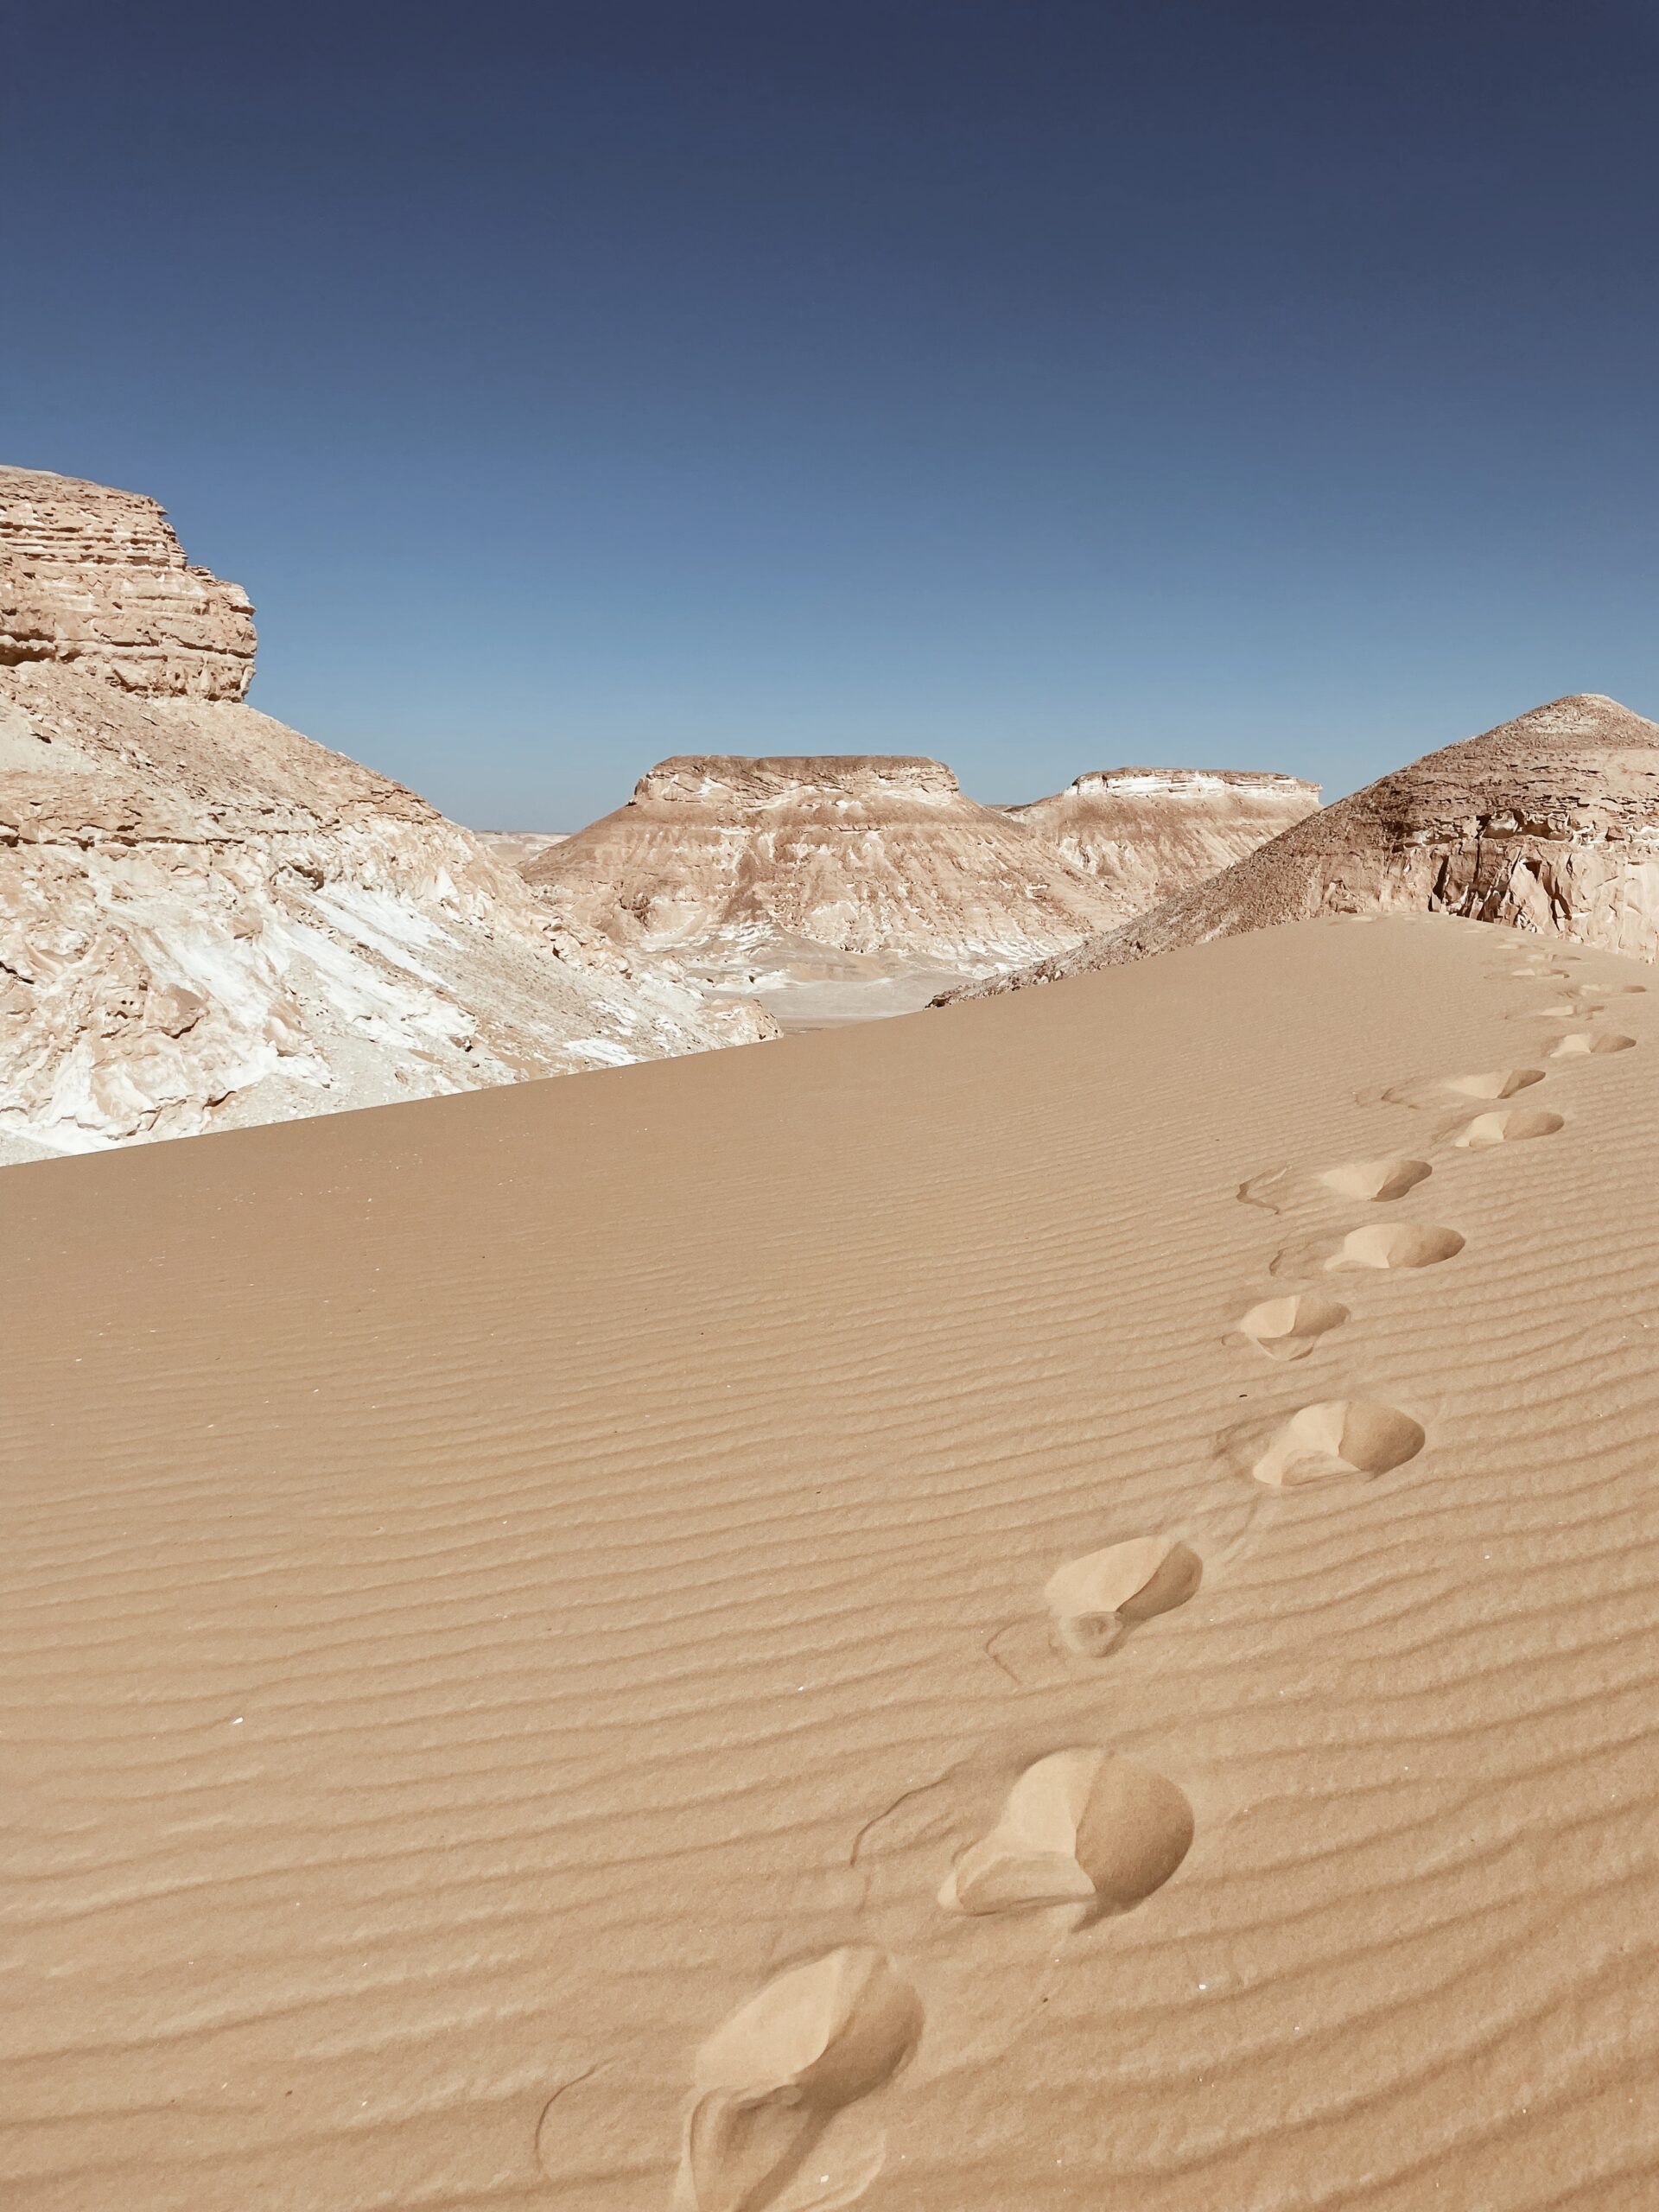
point(572, 1645)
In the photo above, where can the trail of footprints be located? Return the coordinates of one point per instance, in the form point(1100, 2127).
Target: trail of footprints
point(1087, 1828)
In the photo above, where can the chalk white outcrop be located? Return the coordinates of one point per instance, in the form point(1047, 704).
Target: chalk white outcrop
point(206, 919)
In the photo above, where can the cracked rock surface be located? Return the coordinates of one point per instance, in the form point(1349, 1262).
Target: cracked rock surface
point(207, 919)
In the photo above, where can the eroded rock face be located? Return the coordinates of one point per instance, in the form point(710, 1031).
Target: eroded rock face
point(857, 853)
point(837, 885)
point(95, 579)
point(1549, 823)
point(1145, 833)
point(207, 919)
point(787, 876)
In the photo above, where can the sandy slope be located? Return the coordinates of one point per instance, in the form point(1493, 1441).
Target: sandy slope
point(491, 1582)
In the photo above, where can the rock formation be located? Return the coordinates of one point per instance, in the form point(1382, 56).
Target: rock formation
point(1145, 833)
point(839, 885)
point(94, 579)
point(205, 918)
point(1549, 823)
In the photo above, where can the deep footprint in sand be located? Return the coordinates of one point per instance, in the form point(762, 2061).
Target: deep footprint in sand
point(1427, 1093)
point(1501, 1083)
point(1342, 1436)
point(1377, 1179)
point(1580, 1043)
point(1093, 1600)
point(1289, 1328)
point(1556, 1010)
point(1395, 1244)
point(1507, 1128)
point(816, 2039)
point(1087, 1826)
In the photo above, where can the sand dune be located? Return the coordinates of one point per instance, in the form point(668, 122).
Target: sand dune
point(518, 1607)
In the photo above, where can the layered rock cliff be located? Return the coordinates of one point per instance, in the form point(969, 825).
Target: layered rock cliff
point(1145, 833)
point(817, 873)
point(1549, 823)
point(833, 886)
point(205, 917)
point(94, 579)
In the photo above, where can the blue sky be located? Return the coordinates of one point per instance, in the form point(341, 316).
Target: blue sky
point(1043, 386)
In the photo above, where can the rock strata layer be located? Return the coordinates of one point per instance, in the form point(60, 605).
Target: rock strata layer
point(1549, 823)
point(94, 578)
point(207, 920)
point(854, 876)
point(1145, 833)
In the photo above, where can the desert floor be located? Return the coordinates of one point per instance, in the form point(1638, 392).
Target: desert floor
point(489, 1583)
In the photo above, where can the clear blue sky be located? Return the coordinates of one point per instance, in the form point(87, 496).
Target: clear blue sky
point(1040, 383)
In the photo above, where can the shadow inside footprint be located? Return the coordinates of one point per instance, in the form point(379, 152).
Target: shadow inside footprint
point(1395, 1244)
point(1579, 1043)
point(1377, 1179)
point(1343, 1436)
point(817, 2039)
point(1092, 1601)
point(1087, 1826)
point(1506, 1127)
point(1288, 1328)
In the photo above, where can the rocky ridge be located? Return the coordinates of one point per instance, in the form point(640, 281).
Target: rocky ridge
point(207, 920)
point(836, 887)
point(1549, 823)
point(1145, 833)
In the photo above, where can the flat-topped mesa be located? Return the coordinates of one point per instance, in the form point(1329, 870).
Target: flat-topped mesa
point(1145, 833)
point(884, 782)
point(721, 864)
point(95, 578)
point(1548, 822)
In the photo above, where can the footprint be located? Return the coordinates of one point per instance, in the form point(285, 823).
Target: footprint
point(1577, 1043)
point(1429, 1092)
point(1397, 1244)
point(1503, 1083)
point(1094, 1599)
point(1377, 1178)
point(1557, 1010)
point(1612, 990)
point(1507, 1128)
point(1288, 1328)
point(1343, 1436)
point(817, 2039)
point(1087, 1828)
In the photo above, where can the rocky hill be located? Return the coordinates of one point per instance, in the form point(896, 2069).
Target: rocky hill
point(835, 886)
point(205, 917)
point(1549, 823)
point(1145, 833)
